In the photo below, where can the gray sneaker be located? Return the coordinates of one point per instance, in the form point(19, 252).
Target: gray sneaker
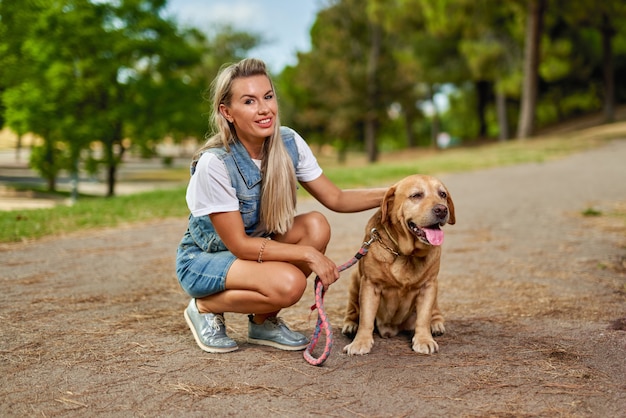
point(209, 330)
point(275, 333)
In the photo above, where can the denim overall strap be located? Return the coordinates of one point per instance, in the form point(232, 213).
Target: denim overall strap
point(246, 178)
point(246, 167)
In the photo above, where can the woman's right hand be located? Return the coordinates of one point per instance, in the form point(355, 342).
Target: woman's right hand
point(324, 268)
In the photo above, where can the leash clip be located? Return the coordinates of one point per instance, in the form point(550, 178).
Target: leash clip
point(373, 237)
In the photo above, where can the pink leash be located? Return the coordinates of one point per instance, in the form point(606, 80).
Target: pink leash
point(322, 318)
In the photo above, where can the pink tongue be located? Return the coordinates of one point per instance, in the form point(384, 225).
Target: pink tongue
point(434, 236)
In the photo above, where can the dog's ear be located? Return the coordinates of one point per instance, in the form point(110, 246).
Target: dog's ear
point(387, 204)
point(452, 218)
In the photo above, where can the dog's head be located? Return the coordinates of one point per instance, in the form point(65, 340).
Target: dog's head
point(416, 208)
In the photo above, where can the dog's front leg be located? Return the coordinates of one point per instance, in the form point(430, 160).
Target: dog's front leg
point(423, 341)
point(437, 326)
point(351, 318)
point(369, 299)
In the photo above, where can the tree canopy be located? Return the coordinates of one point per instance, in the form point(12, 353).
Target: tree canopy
point(95, 78)
point(92, 79)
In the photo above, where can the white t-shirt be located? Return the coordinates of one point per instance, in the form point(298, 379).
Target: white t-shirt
point(210, 190)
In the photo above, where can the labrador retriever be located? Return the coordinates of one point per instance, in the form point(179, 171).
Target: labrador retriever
point(394, 288)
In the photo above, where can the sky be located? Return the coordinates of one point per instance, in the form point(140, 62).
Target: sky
point(285, 24)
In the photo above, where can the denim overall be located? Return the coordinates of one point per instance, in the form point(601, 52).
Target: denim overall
point(202, 259)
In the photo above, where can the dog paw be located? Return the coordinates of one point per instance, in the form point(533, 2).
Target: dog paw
point(349, 328)
point(359, 347)
point(425, 345)
point(437, 328)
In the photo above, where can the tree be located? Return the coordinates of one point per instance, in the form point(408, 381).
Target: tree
point(528, 62)
point(481, 41)
point(532, 44)
point(491, 50)
point(333, 76)
point(81, 72)
point(347, 83)
point(147, 60)
point(407, 83)
point(37, 81)
point(605, 17)
point(371, 120)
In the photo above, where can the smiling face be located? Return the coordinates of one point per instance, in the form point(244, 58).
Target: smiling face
point(418, 206)
point(252, 108)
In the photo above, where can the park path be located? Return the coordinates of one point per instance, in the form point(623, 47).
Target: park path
point(92, 322)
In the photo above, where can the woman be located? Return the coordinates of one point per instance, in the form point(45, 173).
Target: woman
point(245, 249)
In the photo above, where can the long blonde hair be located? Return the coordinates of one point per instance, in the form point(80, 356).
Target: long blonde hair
point(278, 188)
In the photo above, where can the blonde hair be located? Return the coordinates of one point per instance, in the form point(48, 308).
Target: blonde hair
point(278, 187)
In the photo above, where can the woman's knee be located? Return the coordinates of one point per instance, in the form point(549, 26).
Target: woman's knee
point(290, 288)
point(318, 229)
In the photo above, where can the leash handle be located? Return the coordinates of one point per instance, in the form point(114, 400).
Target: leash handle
point(322, 319)
point(322, 323)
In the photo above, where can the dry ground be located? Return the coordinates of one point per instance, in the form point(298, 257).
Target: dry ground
point(533, 292)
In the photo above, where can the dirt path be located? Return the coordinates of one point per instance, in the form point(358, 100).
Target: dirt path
point(92, 323)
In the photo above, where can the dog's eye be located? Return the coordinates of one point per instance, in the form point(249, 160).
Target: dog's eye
point(417, 195)
point(443, 195)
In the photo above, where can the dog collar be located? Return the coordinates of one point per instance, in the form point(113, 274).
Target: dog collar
point(376, 235)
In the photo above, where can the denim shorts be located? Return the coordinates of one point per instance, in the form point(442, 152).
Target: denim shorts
point(200, 273)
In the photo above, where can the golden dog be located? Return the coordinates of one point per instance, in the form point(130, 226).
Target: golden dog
point(395, 285)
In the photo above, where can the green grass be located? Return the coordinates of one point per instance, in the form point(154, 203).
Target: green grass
point(98, 212)
point(394, 166)
point(91, 212)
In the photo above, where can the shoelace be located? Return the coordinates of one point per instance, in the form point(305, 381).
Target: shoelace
point(216, 323)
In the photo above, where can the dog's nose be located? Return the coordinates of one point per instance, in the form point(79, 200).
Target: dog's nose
point(440, 211)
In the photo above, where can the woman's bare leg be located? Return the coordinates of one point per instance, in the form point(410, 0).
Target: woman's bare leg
point(311, 229)
point(257, 288)
point(266, 288)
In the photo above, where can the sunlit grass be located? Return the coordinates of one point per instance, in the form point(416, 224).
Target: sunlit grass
point(92, 212)
point(97, 212)
point(393, 166)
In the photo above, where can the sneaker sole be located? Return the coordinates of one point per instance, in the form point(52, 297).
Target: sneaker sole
point(201, 344)
point(277, 345)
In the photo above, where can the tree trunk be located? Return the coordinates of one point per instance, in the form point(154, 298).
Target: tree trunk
point(532, 49)
point(372, 93)
point(482, 100)
point(114, 160)
point(52, 183)
point(408, 127)
point(503, 121)
point(435, 125)
point(111, 174)
point(608, 32)
point(18, 148)
point(49, 166)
